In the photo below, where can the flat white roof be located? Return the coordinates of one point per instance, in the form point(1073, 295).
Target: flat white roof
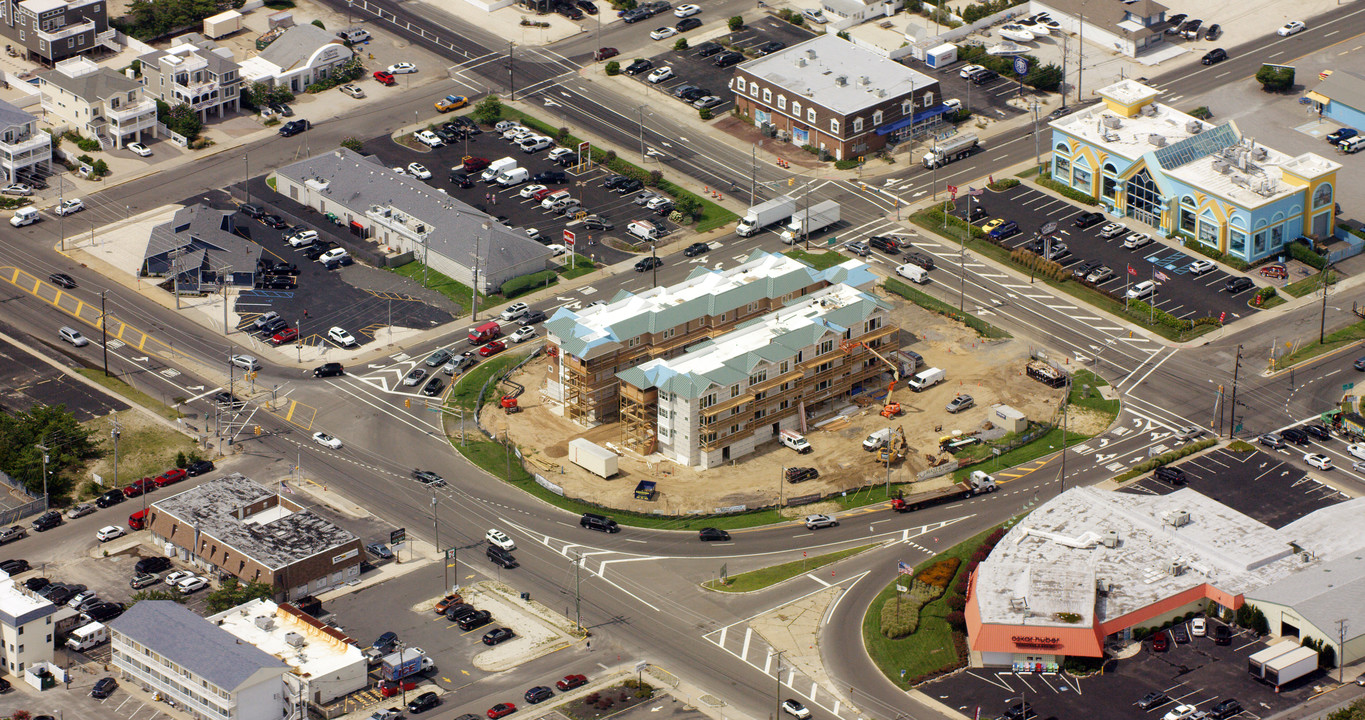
point(322, 651)
point(837, 74)
point(16, 602)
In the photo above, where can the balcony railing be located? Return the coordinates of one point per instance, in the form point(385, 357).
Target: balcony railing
point(69, 31)
point(132, 113)
point(29, 143)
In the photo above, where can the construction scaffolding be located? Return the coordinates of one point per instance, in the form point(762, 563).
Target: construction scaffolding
point(639, 408)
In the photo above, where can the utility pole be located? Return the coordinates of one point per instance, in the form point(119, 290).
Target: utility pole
point(654, 264)
point(890, 450)
point(640, 111)
point(44, 449)
point(104, 336)
point(246, 163)
point(436, 527)
point(753, 173)
point(1061, 477)
point(577, 599)
point(778, 676)
point(1232, 423)
point(1322, 324)
point(511, 80)
point(115, 432)
point(1341, 647)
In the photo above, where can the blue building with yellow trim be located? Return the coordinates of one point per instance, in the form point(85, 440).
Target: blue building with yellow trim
point(1194, 180)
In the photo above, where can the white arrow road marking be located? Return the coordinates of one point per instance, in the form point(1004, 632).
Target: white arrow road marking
point(143, 358)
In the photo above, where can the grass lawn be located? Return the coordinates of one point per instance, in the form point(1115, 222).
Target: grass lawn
point(1348, 335)
point(466, 391)
point(1299, 288)
point(493, 457)
point(1045, 445)
point(130, 393)
point(930, 648)
point(581, 266)
point(460, 293)
point(819, 261)
point(145, 448)
point(765, 577)
point(933, 304)
point(1091, 398)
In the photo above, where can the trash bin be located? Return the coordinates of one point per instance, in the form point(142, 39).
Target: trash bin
point(526, 596)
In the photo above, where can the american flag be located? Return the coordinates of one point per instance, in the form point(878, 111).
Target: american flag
point(286, 488)
point(1162, 276)
point(975, 192)
point(903, 569)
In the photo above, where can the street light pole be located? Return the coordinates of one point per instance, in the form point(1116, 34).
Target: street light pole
point(44, 449)
point(104, 335)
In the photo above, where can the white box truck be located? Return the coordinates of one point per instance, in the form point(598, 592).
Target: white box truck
point(496, 168)
point(592, 457)
point(1291, 666)
point(222, 24)
point(954, 148)
point(924, 380)
point(1256, 663)
point(88, 636)
point(810, 221)
point(759, 216)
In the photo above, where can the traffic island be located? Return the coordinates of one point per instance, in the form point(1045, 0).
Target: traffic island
point(539, 630)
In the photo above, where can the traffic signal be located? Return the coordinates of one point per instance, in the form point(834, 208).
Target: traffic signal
point(862, 158)
point(257, 430)
point(791, 182)
point(407, 402)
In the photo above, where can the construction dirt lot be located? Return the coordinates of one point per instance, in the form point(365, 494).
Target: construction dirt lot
point(991, 371)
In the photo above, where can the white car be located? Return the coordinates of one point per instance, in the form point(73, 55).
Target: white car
point(497, 537)
point(192, 585)
point(523, 333)
point(402, 68)
point(429, 138)
point(530, 190)
point(517, 134)
point(332, 255)
point(514, 311)
point(815, 522)
point(663, 33)
point(1357, 449)
point(505, 125)
point(109, 532)
point(1136, 240)
point(536, 143)
point(953, 104)
point(1146, 288)
point(814, 15)
point(326, 440)
point(687, 10)
point(245, 362)
point(1181, 712)
point(353, 91)
point(556, 249)
point(302, 238)
point(1318, 460)
point(341, 337)
point(177, 576)
point(139, 149)
point(1199, 267)
point(967, 71)
point(532, 233)
point(68, 207)
point(1198, 627)
point(1291, 27)
point(1113, 230)
point(419, 171)
point(558, 153)
point(660, 75)
point(400, 171)
point(415, 377)
point(795, 709)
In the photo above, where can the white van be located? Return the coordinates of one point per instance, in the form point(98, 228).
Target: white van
point(795, 441)
point(354, 35)
point(877, 439)
point(73, 336)
point(24, 216)
point(87, 636)
point(926, 379)
point(549, 201)
point(515, 176)
point(643, 229)
point(913, 273)
point(497, 167)
point(1352, 145)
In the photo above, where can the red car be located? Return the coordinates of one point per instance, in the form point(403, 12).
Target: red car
point(171, 477)
point(1274, 271)
point(542, 194)
point(570, 682)
point(475, 164)
point(145, 485)
point(385, 78)
point(605, 53)
point(284, 336)
point(1160, 642)
point(492, 348)
point(501, 710)
point(389, 688)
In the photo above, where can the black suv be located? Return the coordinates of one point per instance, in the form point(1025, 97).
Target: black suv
point(540, 693)
point(47, 521)
point(550, 177)
point(885, 244)
point(648, 264)
point(601, 523)
point(152, 564)
point(1238, 284)
point(707, 49)
point(614, 182)
point(1318, 431)
point(982, 77)
point(629, 186)
point(727, 59)
point(770, 47)
point(501, 557)
point(1294, 435)
point(330, 369)
point(459, 611)
point(294, 127)
point(478, 618)
point(921, 260)
point(1088, 219)
point(104, 688)
point(1171, 476)
point(113, 497)
point(1225, 709)
point(424, 702)
point(638, 66)
point(1215, 55)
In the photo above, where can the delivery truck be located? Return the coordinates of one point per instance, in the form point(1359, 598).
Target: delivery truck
point(759, 216)
point(592, 457)
point(811, 220)
point(1291, 666)
point(88, 636)
point(1256, 663)
point(954, 148)
point(978, 483)
point(404, 663)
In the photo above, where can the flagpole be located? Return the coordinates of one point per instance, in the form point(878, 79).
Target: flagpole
point(1151, 301)
point(1126, 275)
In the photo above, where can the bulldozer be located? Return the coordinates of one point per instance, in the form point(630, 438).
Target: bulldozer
point(894, 450)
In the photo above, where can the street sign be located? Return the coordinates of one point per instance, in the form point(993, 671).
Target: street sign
point(1020, 66)
point(1344, 388)
point(450, 554)
point(398, 536)
point(1048, 228)
point(902, 589)
point(568, 238)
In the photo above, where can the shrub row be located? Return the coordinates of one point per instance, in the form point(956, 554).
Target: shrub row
point(1004, 184)
point(1297, 250)
point(1039, 265)
point(1211, 252)
point(526, 283)
point(1065, 191)
point(940, 573)
point(1166, 459)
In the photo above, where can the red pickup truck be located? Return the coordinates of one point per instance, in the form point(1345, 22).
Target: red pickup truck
point(145, 485)
point(170, 477)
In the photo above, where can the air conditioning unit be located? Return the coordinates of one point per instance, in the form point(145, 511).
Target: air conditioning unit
point(1177, 518)
point(1111, 539)
point(1111, 136)
point(1157, 140)
point(264, 622)
point(841, 81)
point(1103, 586)
point(800, 62)
point(1259, 153)
point(1175, 568)
point(1221, 166)
point(293, 639)
point(1112, 122)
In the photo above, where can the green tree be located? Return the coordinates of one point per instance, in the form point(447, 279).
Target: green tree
point(233, 593)
point(488, 111)
point(1275, 79)
point(141, 595)
point(69, 444)
point(613, 68)
point(681, 44)
point(736, 22)
point(351, 143)
point(1046, 78)
point(184, 120)
point(688, 206)
point(150, 19)
point(319, 24)
point(100, 168)
point(180, 460)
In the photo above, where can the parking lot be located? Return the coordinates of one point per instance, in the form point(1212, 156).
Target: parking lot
point(1179, 292)
point(696, 66)
point(513, 209)
point(989, 98)
point(359, 299)
point(1261, 485)
point(1194, 671)
point(26, 381)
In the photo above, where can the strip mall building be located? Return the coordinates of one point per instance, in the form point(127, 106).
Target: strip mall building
point(1087, 567)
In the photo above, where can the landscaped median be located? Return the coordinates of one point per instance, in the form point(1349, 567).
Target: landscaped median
point(761, 578)
point(1166, 459)
point(1335, 340)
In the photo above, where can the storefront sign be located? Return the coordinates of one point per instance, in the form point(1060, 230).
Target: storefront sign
point(1031, 641)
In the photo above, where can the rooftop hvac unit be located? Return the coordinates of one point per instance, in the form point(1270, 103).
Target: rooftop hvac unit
point(881, 92)
point(864, 81)
point(1175, 568)
point(1193, 127)
point(420, 228)
point(800, 62)
point(1240, 180)
point(1111, 137)
point(1306, 556)
point(1111, 539)
point(1149, 109)
point(293, 639)
point(1221, 166)
point(841, 81)
point(1157, 140)
point(1019, 603)
point(1102, 586)
point(264, 622)
point(810, 53)
point(1178, 518)
point(1112, 122)
point(1259, 153)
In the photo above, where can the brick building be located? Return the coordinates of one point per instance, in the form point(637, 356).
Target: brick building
point(238, 527)
point(835, 96)
point(588, 347)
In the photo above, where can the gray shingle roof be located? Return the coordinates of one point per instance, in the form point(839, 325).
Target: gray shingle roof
point(194, 643)
point(359, 182)
point(296, 45)
point(98, 85)
point(1344, 87)
point(202, 228)
point(12, 115)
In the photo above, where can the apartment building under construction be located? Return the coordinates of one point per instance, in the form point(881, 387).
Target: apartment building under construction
point(720, 400)
point(589, 346)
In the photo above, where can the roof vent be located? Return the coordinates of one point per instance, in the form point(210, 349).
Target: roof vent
point(1110, 136)
point(1175, 568)
point(1157, 140)
point(810, 53)
point(1103, 586)
point(1193, 127)
point(800, 62)
point(864, 81)
point(1111, 539)
point(1259, 153)
point(293, 639)
point(841, 81)
point(1112, 122)
point(881, 92)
